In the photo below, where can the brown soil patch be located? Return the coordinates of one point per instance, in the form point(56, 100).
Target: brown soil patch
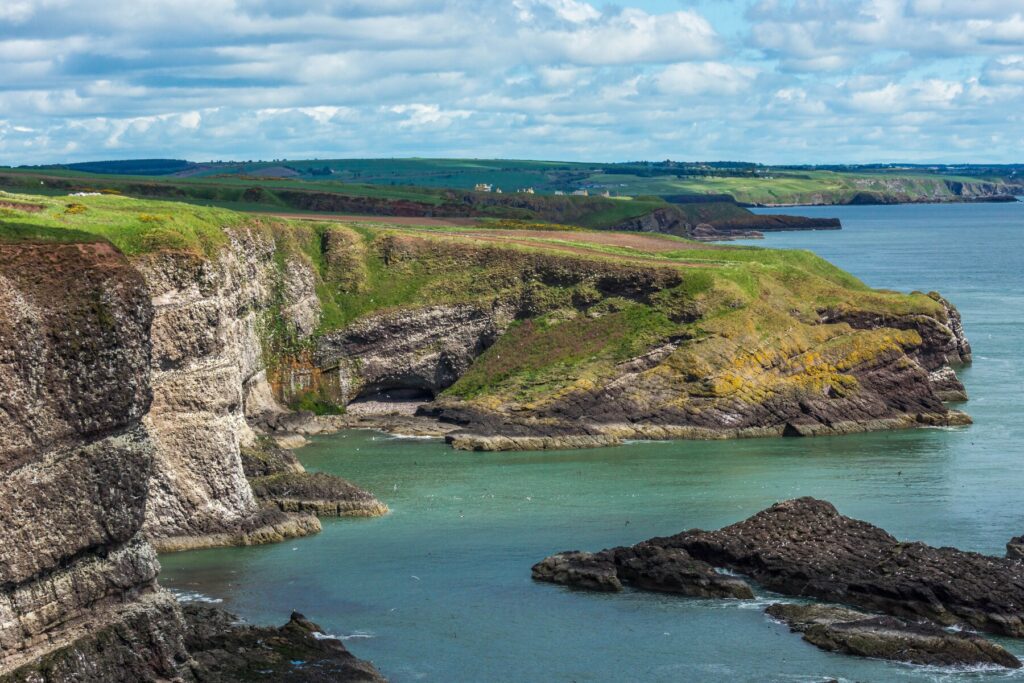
point(19, 206)
point(392, 220)
point(567, 248)
point(631, 240)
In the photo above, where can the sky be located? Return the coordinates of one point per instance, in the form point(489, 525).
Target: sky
point(774, 81)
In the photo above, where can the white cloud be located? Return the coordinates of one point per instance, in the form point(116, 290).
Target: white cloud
point(1005, 70)
point(703, 78)
point(632, 36)
point(427, 115)
point(540, 78)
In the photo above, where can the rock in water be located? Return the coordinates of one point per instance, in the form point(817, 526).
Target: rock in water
point(579, 570)
point(228, 652)
point(1015, 548)
point(805, 547)
point(839, 629)
point(644, 566)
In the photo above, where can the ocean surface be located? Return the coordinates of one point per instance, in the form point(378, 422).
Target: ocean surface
point(440, 589)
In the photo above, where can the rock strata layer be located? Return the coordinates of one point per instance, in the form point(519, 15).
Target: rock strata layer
point(281, 483)
point(208, 335)
point(79, 599)
point(838, 629)
point(75, 570)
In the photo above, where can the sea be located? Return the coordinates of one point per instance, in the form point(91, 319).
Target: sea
point(440, 589)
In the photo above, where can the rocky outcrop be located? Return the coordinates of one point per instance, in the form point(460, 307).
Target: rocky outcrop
point(702, 223)
point(882, 381)
point(944, 345)
point(804, 547)
point(644, 566)
point(209, 332)
point(417, 352)
point(838, 629)
point(226, 651)
point(774, 370)
point(1015, 548)
point(78, 592)
point(280, 482)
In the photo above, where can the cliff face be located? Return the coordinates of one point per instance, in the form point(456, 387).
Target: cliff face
point(735, 222)
point(528, 349)
point(408, 354)
point(209, 330)
point(77, 577)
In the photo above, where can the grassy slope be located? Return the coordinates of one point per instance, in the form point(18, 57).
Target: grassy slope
point(243, 193)
point(803, 187)
point(745, 309)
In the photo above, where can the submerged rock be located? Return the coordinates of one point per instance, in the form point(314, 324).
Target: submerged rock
point(228, 652)
point(804, 547)
point(644, 566)
point(839, 629)
point(317, 493)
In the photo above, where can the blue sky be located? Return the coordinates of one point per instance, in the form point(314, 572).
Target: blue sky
point(777, 81)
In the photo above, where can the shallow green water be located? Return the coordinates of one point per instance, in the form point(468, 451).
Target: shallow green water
point(440, 589)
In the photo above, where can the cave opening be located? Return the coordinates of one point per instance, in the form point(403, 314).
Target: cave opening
point(394, 394)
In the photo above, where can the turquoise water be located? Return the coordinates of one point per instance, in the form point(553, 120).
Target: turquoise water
point(440, 589)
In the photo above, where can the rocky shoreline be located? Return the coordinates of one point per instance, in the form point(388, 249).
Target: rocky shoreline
point(804, 548)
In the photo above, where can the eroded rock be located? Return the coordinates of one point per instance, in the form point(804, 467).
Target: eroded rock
point(643, 566)
point(226, 651)
point(804, 547)
point(839, 629)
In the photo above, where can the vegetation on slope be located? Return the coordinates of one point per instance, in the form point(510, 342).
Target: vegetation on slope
point(744, 322)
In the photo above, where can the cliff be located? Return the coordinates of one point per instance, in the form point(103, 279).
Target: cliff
point(517, 338)
point(79, 600)
point(207, 353)
point(221, 287)
point(528, 339)
point(75, 568)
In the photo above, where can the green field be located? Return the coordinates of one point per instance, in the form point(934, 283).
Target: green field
point(431, 181)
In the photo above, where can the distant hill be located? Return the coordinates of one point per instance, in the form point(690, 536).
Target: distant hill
point(126, 166)
point(679, 182)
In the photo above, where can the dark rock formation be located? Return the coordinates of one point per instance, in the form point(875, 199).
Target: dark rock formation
point(839, 629)
point(944, 344)
point(727, 227)
point(644, 566)
point(804, 547)
point(78, 590)
point(1015, 548)
point(318, 493)
point(225, 651)
point(409, 353)
point(281, 483)
point(263, 458)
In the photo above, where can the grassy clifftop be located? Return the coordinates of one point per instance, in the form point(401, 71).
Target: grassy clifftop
point(678, 331)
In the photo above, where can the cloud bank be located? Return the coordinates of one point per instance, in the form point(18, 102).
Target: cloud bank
point(771, 80)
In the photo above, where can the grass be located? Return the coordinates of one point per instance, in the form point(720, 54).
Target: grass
point(133, 226)
point(750, 317)
point(305, 195)
point(786, 187)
